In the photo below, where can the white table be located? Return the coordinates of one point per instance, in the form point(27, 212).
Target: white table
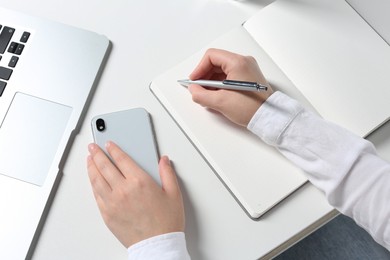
point(149, 37)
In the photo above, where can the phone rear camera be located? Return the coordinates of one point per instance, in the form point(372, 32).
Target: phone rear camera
point(100, 125)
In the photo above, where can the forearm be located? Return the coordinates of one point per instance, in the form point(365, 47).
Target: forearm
point(354, 179)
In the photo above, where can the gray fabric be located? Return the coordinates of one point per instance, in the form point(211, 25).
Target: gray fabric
point(341, 238)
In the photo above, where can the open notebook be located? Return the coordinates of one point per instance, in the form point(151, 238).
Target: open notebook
point(320, 52)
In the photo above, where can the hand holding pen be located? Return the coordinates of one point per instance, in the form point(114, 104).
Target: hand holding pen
point(226, 84)
point(220, 65)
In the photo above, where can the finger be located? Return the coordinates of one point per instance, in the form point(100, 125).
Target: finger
point(123, 161)
point(106, 168)
point(99, 185)
point(207, 98)
point(215, 75)
point(214, 60)
point(168, 177)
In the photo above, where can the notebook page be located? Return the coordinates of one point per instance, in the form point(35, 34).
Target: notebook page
point(332, 56)
point(256, 174)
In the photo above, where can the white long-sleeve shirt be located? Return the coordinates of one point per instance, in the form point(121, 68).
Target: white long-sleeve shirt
point(355, 180)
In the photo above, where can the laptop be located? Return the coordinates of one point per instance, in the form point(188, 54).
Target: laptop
point(47, 75)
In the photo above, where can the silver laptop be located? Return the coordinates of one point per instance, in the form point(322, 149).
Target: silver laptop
point(47, 75)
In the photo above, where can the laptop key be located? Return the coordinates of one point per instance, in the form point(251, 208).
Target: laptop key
point(25, 37)
point(13, 61)
point(19, 49)
point(5, 73)
point(12, 47)
point(2, 87)
point(5, 37)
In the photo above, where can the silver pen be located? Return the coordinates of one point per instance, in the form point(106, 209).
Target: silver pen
point(225, 84)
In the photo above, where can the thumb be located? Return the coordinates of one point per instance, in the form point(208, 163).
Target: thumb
point(168, 177)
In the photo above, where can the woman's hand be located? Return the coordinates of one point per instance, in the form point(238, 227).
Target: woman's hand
point(133, 206)
point(238, 106)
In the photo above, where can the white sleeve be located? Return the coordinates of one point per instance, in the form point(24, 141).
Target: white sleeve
point(170, 246)
point(344, 166)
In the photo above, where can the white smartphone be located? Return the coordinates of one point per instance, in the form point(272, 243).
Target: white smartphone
point(132, 131)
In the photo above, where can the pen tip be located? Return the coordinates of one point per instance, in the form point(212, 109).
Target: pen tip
point(183, 82)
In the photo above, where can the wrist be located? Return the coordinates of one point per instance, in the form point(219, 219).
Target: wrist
point(273, 117)
point(169, 245)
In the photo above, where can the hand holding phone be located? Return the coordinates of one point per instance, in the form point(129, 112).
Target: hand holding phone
point(132, 131)
point(133, 206)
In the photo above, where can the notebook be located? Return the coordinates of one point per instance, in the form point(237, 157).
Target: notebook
point(320, 52)
point(48, 72)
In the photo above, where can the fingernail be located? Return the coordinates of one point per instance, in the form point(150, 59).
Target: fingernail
point(108, 144)
point(92, 148)
point(89, 159)
point(166, 160)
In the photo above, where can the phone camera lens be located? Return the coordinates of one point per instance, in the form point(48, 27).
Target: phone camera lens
point(100, 125)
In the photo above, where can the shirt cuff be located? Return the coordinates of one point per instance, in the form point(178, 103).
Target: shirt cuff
point(273, 117)
point(170, 246)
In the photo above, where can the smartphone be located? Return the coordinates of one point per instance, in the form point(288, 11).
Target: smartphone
point(132, 131)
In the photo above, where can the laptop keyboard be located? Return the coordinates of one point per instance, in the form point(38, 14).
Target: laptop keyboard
point(15, 49)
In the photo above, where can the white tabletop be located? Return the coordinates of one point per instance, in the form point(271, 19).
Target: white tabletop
point(149, 37)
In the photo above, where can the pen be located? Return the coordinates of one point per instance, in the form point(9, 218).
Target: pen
point(225, 84)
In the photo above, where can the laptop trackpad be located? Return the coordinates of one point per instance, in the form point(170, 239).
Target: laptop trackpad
point(29, 137)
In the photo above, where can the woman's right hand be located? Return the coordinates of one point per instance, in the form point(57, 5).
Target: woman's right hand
point(237, 106)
